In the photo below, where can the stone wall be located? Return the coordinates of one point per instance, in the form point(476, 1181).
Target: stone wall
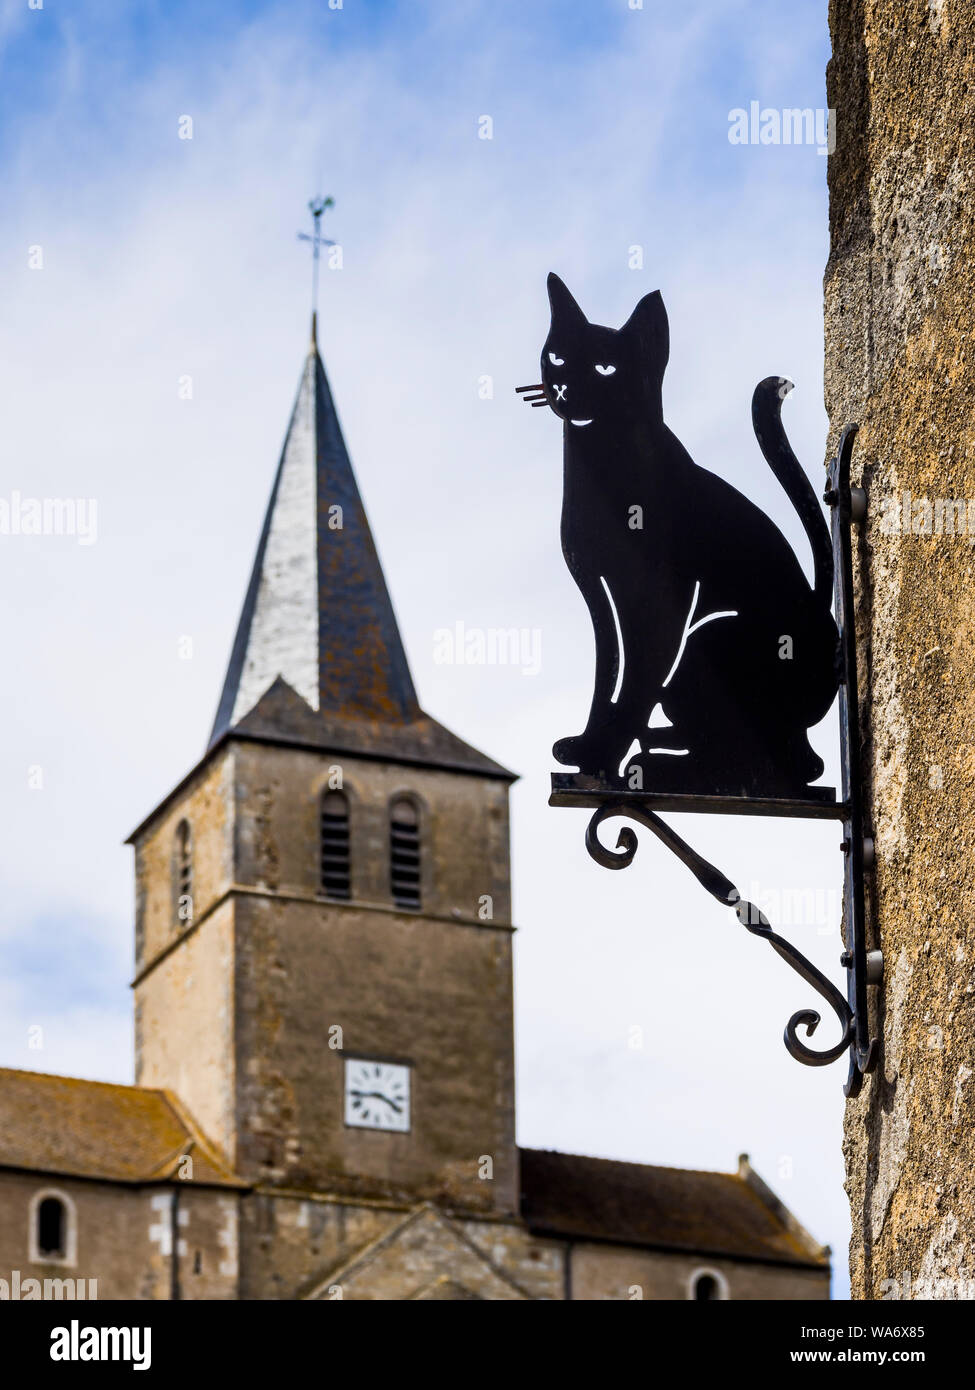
point(319, 1247)
point(120, 1242)
point(621, 1272)
point(899, 313)
point(274, 1245)
point(249, 1012)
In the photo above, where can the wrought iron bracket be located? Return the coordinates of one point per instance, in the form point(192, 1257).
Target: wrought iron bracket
point(848, 506)
point(864, 968)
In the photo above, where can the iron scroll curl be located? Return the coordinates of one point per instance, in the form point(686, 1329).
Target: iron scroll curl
point(750, 917)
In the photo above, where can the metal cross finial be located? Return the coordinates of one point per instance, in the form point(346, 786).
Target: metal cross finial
point(316, 207)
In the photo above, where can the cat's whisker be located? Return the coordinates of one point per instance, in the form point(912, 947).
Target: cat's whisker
point(538, 386)
point(535, 404)
point(538, 396)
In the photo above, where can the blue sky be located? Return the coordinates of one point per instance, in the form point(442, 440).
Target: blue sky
point(165, 257)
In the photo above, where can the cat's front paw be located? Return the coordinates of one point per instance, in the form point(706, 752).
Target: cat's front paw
point(575, 752)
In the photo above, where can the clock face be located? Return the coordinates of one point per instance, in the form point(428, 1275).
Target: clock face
point(377, 1094)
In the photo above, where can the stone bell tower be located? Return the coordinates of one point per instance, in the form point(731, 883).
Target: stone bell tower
point(323, 934)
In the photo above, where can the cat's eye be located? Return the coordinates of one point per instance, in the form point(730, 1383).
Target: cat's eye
point(605, 371)
point(556, 361)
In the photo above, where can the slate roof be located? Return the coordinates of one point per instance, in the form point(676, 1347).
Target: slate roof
point(282, 716)
point(317, 616)
point(93, 1129)
point(572, 1196)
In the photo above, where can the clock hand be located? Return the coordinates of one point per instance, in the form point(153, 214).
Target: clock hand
point(378, 1095)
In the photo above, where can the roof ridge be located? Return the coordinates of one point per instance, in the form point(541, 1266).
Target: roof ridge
point(167, 1165)
point(636, 1163)
point(105, 1130)
point(197, 1136)
point(760, 1190)
point(84, 1080)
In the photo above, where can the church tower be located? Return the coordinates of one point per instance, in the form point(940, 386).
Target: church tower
point(323, 928)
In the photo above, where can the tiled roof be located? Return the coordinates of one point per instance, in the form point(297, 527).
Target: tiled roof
point(93, 1129)
point(600, 1199)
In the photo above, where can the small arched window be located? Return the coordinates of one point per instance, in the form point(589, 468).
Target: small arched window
point(707, 1285)
point(183, 874)
point(404, 853)
point(334, 846)
point(52, 1228)
point(51, 1225)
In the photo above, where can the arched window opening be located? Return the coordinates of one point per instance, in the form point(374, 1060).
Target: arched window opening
point(707, 1285)
point(334, 846)
point(404, 854)
point(52, 1228)
point(183, 874)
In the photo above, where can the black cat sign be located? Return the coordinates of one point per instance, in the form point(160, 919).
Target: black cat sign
point(714, 653)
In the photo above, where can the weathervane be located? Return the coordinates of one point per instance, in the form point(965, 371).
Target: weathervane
point(316, 207)
point(714, 653)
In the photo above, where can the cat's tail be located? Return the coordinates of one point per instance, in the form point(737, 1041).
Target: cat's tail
point(772, 440)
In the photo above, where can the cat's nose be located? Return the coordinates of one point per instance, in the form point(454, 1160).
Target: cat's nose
point(559, 391)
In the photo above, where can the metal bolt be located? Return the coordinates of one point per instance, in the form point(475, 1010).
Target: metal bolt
point(875, 967)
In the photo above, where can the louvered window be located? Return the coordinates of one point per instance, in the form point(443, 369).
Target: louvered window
point(183, 874)
point(334, 850)
point(404, 854)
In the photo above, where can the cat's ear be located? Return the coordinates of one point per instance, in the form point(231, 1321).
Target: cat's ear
point(564, 308)
point(648, 324)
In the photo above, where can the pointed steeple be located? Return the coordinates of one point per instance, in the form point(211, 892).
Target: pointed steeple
point(317, 621)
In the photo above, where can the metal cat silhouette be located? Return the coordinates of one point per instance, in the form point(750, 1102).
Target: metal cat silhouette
point(714, 652)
